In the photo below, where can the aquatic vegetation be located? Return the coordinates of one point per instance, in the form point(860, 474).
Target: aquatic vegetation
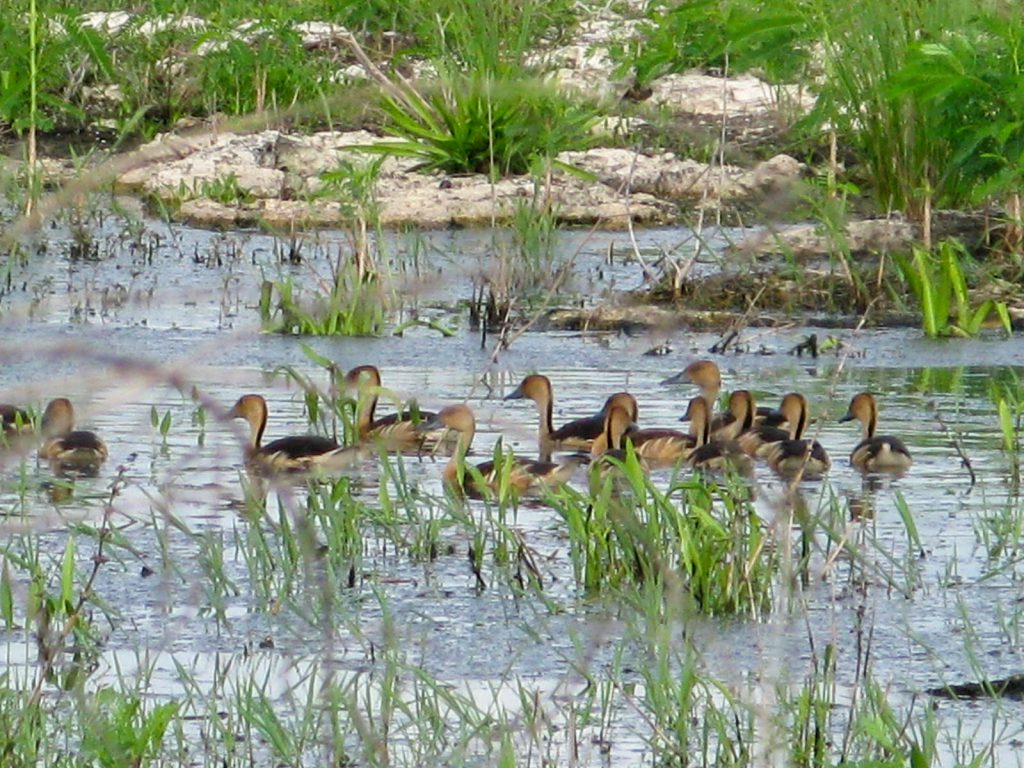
point(939, 283)
point(483, 124)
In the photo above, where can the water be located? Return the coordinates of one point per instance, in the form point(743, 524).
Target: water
point(143, 327)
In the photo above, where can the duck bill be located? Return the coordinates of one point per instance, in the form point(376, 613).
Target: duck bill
point(679, 378)
point(847, 417)
point(429, 425)
point(516, 394)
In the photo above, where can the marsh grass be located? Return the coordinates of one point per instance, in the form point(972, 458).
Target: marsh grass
point(939, 283)
point(701, 536)
point(481, 124)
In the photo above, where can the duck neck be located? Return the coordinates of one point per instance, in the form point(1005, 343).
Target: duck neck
point(546, 412)
point(870, 424)
point(801, 423)
point(364, 416)
point(749, 414)
point(710, 394)
point(256, 427)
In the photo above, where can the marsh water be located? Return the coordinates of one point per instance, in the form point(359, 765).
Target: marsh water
point(160, 310)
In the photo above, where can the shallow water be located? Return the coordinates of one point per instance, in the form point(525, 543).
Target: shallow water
point(188, 321)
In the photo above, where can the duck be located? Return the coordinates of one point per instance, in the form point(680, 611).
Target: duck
point(526, 476)
point(395, 432)
point(705, 374)
point(14, 419)
point(792, 412)
point(794, 454)
point(657, 448)
point(737, 419)
point(64, 446)
point(875, 453)
point(804, 456)
point(628, 404)
point(293, 454)
point(576, 435)
point(717, 453)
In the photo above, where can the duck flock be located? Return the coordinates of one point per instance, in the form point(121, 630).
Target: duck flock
point(733, 440)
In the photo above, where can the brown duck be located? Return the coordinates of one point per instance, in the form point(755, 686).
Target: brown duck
point(296, 453)
point(64, 446)
point(525, 476)
point(875, 453)
point(576, 435)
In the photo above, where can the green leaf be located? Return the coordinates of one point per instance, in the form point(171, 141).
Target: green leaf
point(6, 597)
point(67, 579)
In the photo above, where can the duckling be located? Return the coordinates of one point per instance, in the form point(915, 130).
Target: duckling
point(578, 434)
point(526, 476)
point(875, 453)
point(297, 453)
point(395, 432)
point(64, 446)
point(717, 453)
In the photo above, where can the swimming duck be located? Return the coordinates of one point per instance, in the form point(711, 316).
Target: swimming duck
point(68, 448)
point(578, 434)
point(297, 453)
point(737, 419)
point(526, 476)
point(395, 432)
point(795, 454)
point(803, 456)
point(792, 413)
point(875, 453)
point(657, 448)
point(716, 453)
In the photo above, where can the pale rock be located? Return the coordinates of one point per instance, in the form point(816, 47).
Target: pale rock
point(107, 22)
point(250, 159)
point(667, 176)
point(740, 96)
point(321, 34)
point(173, 23)
point(805, 241)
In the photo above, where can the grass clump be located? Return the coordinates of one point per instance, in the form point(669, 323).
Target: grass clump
point(478, 123)
point(939, 283)
point(703, 537)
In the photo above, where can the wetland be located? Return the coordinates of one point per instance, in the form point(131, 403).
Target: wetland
point(202, 200)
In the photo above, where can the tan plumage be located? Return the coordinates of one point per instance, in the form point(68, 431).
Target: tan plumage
point(576, 435)
point(875, 453)
point(717, 452)
point(791, 454)
point(525, 475)
point(395, 432)
point(737, 419)
point(64, 446)
point(705, 374)
point(757, 440)
point(657, 448)
point(296, 453)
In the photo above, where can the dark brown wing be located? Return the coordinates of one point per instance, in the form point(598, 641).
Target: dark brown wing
point(299, 446)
